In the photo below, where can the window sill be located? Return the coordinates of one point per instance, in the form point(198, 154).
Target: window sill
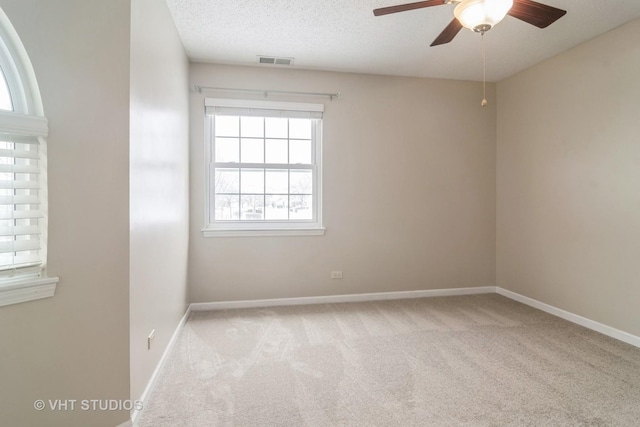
point(15, 291)
point(319, 231)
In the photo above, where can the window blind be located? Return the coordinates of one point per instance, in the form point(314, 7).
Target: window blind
point(241, 107)
point(261, 112)
point(20, 207)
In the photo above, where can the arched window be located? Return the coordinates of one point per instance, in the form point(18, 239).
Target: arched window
point(5, 96)
point(23, 183)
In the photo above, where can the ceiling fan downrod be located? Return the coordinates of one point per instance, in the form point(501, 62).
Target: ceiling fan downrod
point(484, 74)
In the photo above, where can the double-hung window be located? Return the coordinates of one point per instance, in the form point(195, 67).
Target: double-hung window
point(23, 198)
point(264, 168)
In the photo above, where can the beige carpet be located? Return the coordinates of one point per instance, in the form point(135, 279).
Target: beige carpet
point(475, 360)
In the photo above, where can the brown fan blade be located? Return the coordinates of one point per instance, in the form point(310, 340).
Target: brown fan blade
point(408, 6)
point(448, 33)
point(535, 13)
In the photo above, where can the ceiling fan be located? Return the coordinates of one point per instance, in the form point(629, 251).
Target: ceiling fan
point(481, 15)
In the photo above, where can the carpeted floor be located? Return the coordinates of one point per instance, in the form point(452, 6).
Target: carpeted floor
point(479, 360)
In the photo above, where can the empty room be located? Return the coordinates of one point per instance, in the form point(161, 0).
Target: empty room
point(319, 213)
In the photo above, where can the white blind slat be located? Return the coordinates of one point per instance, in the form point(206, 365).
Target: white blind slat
point(261, 112)
point(262, 104)
point(19, 154)
point(18, 261)
point(245, 107)
point(19, 185)
point(19, 200)
point(19, 246)
point(19, 169)
point(20, 214)
point(27, 230)
point(18, 139)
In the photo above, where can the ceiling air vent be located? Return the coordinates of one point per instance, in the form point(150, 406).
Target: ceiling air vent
point(274, 60)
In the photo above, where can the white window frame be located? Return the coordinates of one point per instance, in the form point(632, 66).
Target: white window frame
point(26, 120)
point(231, 228)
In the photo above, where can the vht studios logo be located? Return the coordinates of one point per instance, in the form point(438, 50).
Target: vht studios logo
point(88, 405)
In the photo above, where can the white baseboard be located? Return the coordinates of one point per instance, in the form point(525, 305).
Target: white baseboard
point(125, 424)
point(152, 381)
point(571, 317)
point(224, 305)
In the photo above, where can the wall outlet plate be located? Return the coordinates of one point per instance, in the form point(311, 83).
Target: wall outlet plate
point(150, 338)
point(336, 274)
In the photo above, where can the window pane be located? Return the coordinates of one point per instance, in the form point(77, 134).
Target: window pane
point(263, 170)
point(301, 207)
point(252, 207)
point(300, 128)
point(252, 151)
point(300, 151)
point(276, 127)
point(301, 182)
point(276, 151)
point(5, 96)
point(227, 150)
point(227, 207)
point(252, 126)
point(227, 126)
point(252, 181)
point(277, 207)
point(277, 181)
point(227, 181)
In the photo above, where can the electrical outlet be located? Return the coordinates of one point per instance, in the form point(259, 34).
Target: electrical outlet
point(150, 338)
point(336, 274)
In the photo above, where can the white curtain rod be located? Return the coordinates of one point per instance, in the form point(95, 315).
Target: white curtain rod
point(267, 92)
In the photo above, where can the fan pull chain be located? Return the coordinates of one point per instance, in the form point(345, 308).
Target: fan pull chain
point(484, 74)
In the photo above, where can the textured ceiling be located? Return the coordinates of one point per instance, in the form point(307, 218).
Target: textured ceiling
point(344, 35)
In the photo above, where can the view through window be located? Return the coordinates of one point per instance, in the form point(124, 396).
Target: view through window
point(264, 166)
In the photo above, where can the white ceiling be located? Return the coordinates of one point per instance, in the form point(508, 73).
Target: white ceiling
point(344, 35)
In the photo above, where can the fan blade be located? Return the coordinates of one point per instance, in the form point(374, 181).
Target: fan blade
point(408, 6)
point(448, 33)
point(535, 13)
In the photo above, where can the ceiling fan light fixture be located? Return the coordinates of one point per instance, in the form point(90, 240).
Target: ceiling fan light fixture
point(481, 15)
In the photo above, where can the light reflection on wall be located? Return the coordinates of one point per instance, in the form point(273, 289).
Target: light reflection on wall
point(159, 187)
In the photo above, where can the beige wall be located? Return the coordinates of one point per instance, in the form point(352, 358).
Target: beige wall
point(409, 191)
point(409, 195)
point(159, 185)
point(568, 171)
point(76, 344)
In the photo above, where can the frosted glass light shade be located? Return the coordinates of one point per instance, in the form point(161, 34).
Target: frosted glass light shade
point(481, 15)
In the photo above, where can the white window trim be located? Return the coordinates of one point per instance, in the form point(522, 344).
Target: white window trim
point(207, 232)
point(264, 228)
point(26, 289)
point(26, 119)
point(23, 124)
